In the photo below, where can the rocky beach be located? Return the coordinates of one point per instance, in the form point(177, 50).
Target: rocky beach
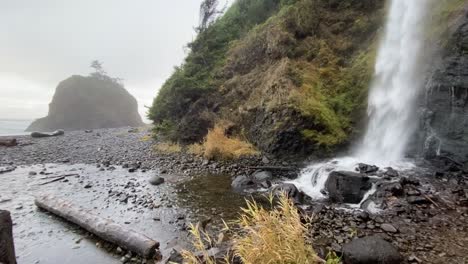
point(111, 171)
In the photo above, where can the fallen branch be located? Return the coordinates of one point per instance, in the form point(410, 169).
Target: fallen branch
point(52, 181)
point(425, 196)
point(58, 176)
point(104, 228)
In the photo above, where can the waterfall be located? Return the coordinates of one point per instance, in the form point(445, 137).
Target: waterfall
point(392, 98)
point(397, 83)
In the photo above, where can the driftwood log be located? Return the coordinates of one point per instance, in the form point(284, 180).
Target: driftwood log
point(104, 228)
point(8, 142)
point(7, 248)
point(59, 132)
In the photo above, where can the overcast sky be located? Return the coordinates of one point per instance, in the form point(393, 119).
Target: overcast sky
point(44, 42)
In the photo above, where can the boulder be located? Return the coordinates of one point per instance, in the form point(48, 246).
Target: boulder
point(291, 191)
point(259, 179)
point(370, 250)
point(366, 168)
point(347, 186)
point(241, 182)
point(56, 133)
point(156, 180)
point(262, 178)
point(89, 102)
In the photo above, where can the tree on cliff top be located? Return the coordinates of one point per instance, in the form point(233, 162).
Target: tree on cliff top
point(100, 73)
point(208, 12)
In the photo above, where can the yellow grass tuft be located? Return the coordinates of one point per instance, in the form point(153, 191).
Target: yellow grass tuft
point(196, 149)
point(167, 148)
point(264, 236)
point(146, 138)
point(273, 236)
point(219, 146)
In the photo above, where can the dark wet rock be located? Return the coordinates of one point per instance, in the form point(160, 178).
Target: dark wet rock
point(261, 176)
point(56, 133)
point(291, 191)
point(242, 182)
point(410, 181)
point(444, 119)
point(156, 180)
point(347, 186)
point(366, 168)
point(417, 200)
point(371, 250)
point(390, 172)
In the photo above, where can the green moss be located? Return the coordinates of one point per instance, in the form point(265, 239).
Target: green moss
point(198, 76)
point(328, 45)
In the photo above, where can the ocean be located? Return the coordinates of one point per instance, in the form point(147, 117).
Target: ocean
point(10, 127)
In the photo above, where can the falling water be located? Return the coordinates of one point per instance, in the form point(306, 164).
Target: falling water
point(392, 98)
point(397, 83)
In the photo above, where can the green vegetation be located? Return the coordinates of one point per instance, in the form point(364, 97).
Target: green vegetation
point(198, 75)
point(443, 15)
point(313, 57)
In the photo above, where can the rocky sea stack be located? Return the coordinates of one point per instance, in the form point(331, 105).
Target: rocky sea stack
point(90, 102)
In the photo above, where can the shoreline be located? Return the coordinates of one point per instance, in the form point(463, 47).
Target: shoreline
point(130, 151)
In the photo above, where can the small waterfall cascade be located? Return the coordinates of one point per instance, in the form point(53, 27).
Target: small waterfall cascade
point(392, 98)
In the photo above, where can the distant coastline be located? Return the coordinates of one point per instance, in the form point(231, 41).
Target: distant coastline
point(13, 127)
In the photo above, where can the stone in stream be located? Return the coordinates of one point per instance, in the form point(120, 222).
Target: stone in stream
point(241, 182)
point(291, 191)
point(390, 172)
point(370, 250)
point(366, 168)
point(156, 180)
point(347, 186)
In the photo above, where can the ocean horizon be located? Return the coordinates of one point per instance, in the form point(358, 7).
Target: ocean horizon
point(13, 127)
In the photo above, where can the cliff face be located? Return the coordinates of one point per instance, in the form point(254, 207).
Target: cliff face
point(89, 103)
point(290, 76)
point(445, 112)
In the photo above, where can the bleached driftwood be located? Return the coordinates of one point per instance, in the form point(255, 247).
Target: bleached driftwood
point(104, 228)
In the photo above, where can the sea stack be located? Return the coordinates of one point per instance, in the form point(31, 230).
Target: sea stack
point(89, 102)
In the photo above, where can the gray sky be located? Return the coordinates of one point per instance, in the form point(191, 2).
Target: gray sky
point(43, 42)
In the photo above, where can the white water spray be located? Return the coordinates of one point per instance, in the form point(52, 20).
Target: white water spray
point(392, 98)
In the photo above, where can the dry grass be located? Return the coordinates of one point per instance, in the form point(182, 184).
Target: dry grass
point(196, 149)
point(202, 241)
point(167, 148)
point(274, 236)
point(219, 146)
point(146, 138)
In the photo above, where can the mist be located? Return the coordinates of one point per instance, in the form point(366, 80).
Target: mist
point(45, 42)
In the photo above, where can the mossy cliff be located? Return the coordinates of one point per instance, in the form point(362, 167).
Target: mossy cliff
point(290, 76)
